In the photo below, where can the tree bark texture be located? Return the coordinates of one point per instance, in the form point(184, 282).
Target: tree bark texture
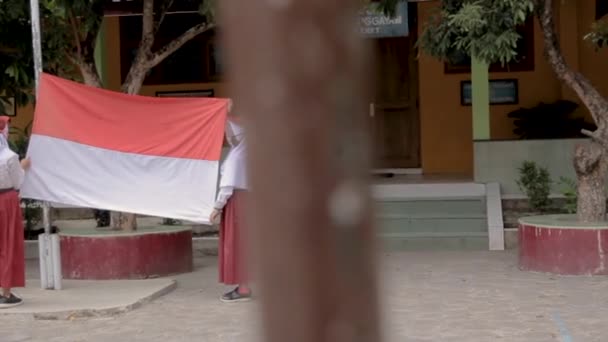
point(145, 58)
point(310, 216)
point(589, 159)
point(89, 74)
point(591, 165)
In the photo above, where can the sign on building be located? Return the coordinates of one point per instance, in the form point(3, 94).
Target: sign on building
point(375, 24)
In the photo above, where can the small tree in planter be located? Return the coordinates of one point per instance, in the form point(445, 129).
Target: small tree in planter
point(82, 24)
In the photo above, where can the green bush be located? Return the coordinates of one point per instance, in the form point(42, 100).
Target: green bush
point(568, 190)
point(535, 182)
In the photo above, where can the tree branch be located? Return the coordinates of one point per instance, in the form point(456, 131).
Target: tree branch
point(593, 100)
point(139, 66)
point(177, 43)
point(88, 71)
point(596, 136)
point(147, 36)
point(72, 21)
point(163, 12)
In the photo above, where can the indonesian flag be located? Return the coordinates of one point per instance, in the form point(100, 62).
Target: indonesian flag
point(95, 148)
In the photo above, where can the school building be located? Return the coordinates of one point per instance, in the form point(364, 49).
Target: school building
point(448, 185)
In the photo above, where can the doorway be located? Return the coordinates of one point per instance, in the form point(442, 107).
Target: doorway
point(394, 114)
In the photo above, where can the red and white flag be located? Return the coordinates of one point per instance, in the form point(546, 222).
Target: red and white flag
point(100, 149)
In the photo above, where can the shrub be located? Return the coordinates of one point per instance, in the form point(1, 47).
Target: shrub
point(535, 182)
point(568, 190)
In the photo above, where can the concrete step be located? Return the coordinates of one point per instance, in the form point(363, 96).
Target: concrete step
point(456, 223)
point(434, 241)
point(434, 224)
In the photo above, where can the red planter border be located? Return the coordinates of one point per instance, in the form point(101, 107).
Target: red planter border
point(558, 244)
point(143, 254)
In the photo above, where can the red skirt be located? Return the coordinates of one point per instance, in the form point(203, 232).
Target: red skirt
point(232, 260)
point(12, 259)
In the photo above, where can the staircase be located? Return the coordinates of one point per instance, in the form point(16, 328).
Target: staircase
point(413, 217)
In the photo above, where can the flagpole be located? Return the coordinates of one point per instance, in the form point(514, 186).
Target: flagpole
point(50, 256)
point(36, 40)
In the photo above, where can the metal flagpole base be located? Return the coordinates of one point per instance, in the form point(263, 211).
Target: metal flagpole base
point(50, 254)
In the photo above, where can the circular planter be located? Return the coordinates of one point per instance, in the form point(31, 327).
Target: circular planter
point(559, 244)
point(146, 253)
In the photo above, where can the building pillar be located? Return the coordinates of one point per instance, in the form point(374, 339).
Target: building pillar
point(100, 53)
point(480, 86)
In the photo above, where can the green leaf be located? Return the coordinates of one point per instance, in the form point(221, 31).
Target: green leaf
point(484, 29)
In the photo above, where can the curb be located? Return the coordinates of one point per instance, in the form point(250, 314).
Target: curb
point(97, 313)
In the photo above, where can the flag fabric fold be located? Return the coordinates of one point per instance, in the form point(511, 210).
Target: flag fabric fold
point(100, 149)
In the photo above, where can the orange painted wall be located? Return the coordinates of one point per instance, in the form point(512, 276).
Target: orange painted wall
point(24, 116)
point(446, 126)
point(593, 64)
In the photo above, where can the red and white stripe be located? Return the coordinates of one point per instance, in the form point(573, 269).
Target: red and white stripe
point(100, 149)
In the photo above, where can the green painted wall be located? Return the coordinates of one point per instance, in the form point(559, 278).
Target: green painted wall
point(498, 161)
point(481, 99)
point(100, 53)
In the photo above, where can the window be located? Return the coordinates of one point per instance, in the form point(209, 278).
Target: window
point(601, 9)
point(215, 67)
point(461, 62)
point(189, 64)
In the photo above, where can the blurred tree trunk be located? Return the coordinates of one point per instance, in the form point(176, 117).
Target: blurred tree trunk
point(298, 78)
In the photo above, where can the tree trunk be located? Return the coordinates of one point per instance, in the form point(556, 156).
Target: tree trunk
point(590, 164)
point(319, 283)
point(132, 86)
point(118, 220)
point(135, 79)
point(145, 60)
point(587, 93)
point(123, 221)
point(590, 159)
point(90, 75)
point(88, 70)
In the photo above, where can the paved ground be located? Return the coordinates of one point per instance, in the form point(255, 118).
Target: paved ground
point(89, 298)
point(464, 296)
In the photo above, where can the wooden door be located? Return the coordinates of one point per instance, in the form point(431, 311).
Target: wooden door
point(394, 112)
